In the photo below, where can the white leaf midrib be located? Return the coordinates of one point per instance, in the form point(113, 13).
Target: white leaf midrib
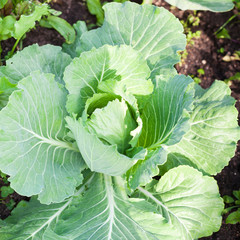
point(57, 214)
point(51, 141)
point(149, 195)
point(110, 198)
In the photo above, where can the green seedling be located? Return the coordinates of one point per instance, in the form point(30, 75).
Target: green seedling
point(221, 50)
point(192, 21)
point(236, 77)
point(3, 177)
point(222, 32)
point(17, 17)
point(197, 78)
point(201, 71)
point(5, 191)
point(234, 207)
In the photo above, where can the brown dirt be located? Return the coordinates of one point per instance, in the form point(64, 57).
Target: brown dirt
point(203, 54)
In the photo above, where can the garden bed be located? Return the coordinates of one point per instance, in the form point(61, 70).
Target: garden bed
point(204, 54)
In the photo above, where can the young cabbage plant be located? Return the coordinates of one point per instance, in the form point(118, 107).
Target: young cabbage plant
point(90, 133)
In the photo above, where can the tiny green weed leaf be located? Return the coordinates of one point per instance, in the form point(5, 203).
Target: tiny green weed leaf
point(234, 217)
point(228, 199)
point(5, 191)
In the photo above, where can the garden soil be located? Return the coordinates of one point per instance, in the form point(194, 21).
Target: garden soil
point(204, 54)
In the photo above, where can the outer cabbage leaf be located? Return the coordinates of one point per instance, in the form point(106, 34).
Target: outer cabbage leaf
point(142, 172)
point(165, 121)
point(84, 75)
point(103, 212)
point(47, 58)
point(6, 88)
point(80, 27)
point(211, 141)
point(98, 156)
point(33, 150)
point(189, 200)
point(152, 31)
point(211, 5)
point(164, 114)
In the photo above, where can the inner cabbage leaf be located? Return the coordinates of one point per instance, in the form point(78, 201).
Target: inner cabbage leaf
point(114, 124)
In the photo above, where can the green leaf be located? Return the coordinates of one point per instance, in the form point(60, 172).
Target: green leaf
point(103, 212)
point(120, 63)
point(34, 150)
point(98, 156)
point(11, 204)
point(211, 141)
point(98, 100)
point(80, 27)
point(47, 59)
point(6, 27)
point(6, 88)
point(113, 124)
point(3, 3)
point(95, 8)
point(228, 199)
point(236, 194)
point(164, 115)
point(233, 217)
point(223, 34)
point(211, 5)
point(63, 27)
point(189, 200)
point(143, 171)
point(152, 31)
point(132, 86)
point(27, 22)
point(6, 190)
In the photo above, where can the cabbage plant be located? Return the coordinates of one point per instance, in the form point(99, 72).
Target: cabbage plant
point(108, 139)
